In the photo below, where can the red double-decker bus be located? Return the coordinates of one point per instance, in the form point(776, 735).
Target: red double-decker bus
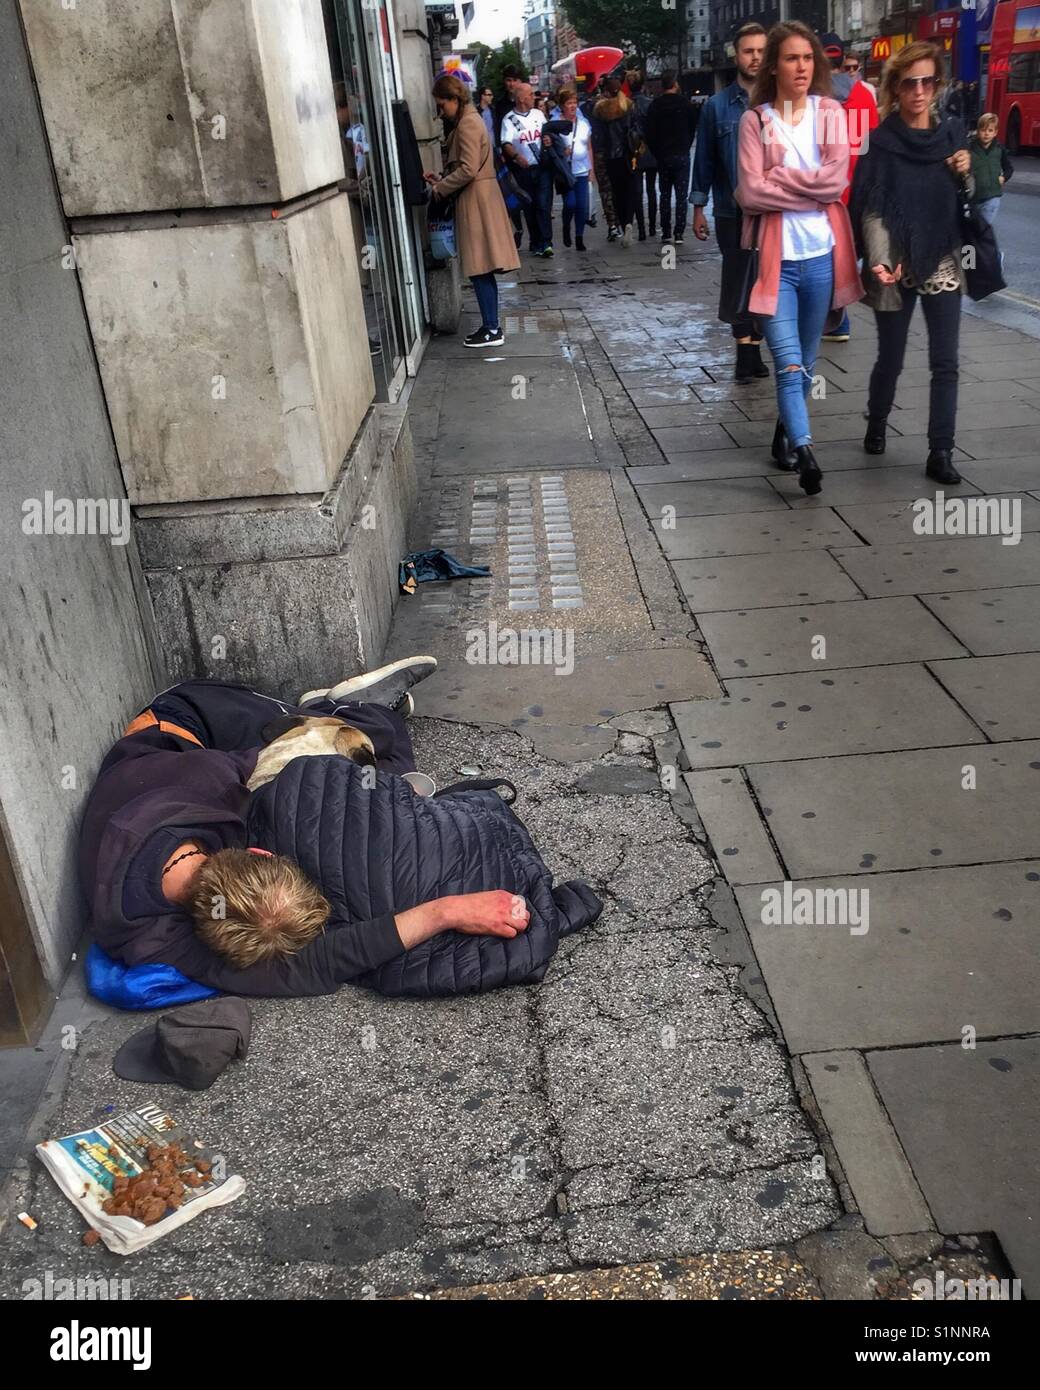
point(1014, 73)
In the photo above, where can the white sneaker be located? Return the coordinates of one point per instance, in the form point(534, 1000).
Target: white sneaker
point(626, 240)
point(386, 685)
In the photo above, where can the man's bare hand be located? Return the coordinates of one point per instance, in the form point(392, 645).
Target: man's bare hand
point(700, 224)
point(487, 914)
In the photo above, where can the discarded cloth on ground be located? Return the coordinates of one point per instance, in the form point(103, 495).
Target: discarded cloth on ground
point(424, 566)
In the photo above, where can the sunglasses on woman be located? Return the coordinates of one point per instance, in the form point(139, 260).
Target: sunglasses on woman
point(925, 83)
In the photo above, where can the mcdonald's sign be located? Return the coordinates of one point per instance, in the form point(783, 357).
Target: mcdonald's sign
point(881, 49)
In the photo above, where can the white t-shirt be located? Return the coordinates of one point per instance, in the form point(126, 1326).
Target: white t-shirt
point(524, 133)
point(578, 143)
point(806, 234)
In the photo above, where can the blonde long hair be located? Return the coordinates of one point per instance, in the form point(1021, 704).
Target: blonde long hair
point(896, 68)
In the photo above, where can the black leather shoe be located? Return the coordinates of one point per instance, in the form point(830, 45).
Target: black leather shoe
point(874, 439)
point(745, 368)
point(940, 467)
point(783, 455)
point(810, 479)
point(758, 367)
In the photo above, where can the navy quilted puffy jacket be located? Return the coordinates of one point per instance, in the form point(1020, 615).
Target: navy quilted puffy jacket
point(382, 849)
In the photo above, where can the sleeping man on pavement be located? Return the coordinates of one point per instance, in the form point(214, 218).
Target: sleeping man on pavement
point(333, 870)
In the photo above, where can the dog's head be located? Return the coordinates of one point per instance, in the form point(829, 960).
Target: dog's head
point(308, 736)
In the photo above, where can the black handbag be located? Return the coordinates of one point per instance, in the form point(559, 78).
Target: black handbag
point(739, 276)
point(980, 254)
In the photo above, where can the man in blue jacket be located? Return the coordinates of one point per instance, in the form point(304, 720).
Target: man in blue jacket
point(715, 176)
point(167, 814)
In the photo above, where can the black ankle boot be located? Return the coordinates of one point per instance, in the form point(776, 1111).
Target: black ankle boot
point(758, 367)
point(810, 478)
point(745, 368)
point(566, 236)
point(579, 243)
point(783, 454)
point(874, 439)
point(940, 467)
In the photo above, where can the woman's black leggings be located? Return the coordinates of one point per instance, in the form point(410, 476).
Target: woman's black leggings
point(942, 315)
point(623, 187)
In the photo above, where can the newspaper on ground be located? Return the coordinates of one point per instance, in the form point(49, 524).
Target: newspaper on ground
point(94, 1167)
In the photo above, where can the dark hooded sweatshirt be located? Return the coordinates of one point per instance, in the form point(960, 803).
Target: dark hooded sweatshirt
point(154, 791)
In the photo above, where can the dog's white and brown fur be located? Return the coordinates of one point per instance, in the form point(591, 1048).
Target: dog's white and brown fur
point(309, 736)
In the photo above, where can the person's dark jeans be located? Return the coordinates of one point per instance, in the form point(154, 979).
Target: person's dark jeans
point(544, 204)
point(622, 185)
point(942, 316)
point(650, 178)
point(674, 174)
point(576, 205)
point(727, 231)
point(230, 717)
point(485, 287)
point(527, 176)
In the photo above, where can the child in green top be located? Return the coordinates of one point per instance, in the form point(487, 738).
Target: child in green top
point(990, 165)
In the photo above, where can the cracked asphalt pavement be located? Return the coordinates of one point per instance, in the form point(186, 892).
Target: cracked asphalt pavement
point(634, 1105)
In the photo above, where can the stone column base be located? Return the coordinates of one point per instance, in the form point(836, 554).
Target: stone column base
point(285, 593)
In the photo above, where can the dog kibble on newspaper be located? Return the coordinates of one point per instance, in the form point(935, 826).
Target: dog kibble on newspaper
point(134, 1180)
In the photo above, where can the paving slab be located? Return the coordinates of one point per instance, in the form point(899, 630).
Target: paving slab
point(932, 567)
point(906, 810)
point(708, 498)
point(774, 718)
point(762, 581)
point(702, 465)
point(755, 534)
point(991, 622)
point(836, 402)
point(891, 523)
point(980, 415)
point(662, 418)
point(945, 947)
point(1005, 474)
point(850, 485)
point(1001, 693)
point(986, 1178)
point(982, 444)
point(487, 429)
point(825, 430)
point(735, 828)
point(690, 437)
point(875, 1165)
point(691, 465)
point(865, 632)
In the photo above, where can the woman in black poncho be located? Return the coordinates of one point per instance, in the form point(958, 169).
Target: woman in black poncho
point(905, 214)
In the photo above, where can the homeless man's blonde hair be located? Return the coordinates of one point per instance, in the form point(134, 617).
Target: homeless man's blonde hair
point(250, 908)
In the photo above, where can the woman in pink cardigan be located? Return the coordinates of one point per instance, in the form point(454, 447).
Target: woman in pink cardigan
point(793, 166)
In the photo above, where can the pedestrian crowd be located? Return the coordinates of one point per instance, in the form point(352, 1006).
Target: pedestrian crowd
point(823, 192)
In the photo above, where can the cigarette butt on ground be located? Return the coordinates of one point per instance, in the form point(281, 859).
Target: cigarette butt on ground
point(27, 1221)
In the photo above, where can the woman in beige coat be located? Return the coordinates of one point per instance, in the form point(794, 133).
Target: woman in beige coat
point(483, 231)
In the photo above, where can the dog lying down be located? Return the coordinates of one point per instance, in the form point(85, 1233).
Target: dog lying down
point(309, 736)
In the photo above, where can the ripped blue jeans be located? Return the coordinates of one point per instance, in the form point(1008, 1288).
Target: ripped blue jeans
point(793, 335)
